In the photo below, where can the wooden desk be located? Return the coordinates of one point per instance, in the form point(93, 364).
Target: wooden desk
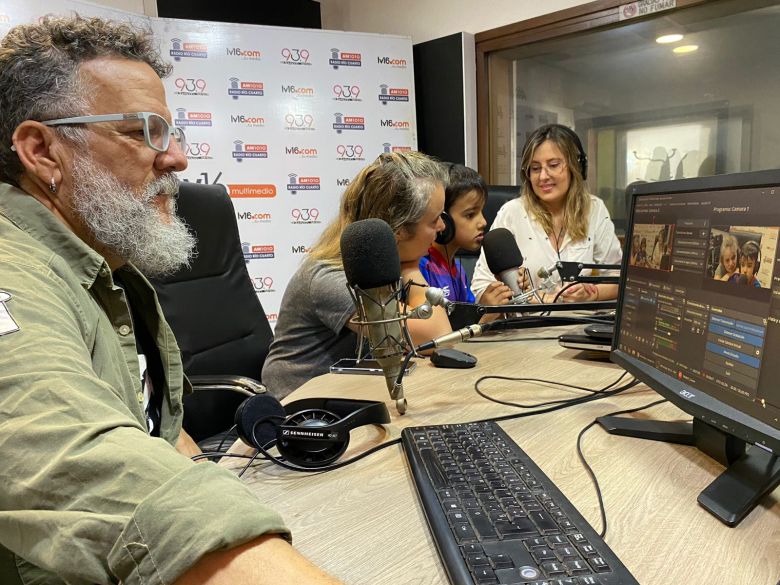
point(363, 523)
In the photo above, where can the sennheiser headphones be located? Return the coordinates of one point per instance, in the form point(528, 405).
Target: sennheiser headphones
point(582, 158)
point(308, 433)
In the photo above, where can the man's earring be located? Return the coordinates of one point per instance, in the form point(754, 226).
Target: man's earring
point(52, 186)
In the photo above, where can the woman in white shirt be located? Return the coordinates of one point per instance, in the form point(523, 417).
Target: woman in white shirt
point(556, 218)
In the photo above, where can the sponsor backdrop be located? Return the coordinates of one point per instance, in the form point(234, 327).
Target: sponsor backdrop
point(282, 117)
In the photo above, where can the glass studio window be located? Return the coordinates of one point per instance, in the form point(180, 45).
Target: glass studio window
point(701, 101)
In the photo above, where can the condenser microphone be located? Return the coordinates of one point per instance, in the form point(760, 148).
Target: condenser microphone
point(373, 270)
point(503, 257)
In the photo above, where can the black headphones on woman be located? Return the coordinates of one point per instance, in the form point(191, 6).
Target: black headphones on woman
point(308, 433)
point(446, 235)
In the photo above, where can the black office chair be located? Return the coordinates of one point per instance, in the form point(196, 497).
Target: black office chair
point(218, 321)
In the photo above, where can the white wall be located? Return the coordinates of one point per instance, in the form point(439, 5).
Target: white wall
point(147, 7)
point(424, 20)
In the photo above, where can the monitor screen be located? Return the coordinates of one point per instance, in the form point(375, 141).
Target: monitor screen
point(699, 304)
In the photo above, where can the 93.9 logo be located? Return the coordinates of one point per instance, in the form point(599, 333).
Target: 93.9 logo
point(299, 121)
point(350, 151)
point(297, 56)
point(305, 215)
point(263, 284)
point(190, 85)
point(199, 150)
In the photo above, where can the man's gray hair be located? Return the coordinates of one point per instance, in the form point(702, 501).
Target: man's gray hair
point(39, 73)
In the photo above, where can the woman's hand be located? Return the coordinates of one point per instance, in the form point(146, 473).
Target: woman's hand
point(524, 279)
point(580, 293)
point(496, 293)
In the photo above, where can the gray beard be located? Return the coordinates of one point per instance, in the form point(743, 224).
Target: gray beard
point(128, 224)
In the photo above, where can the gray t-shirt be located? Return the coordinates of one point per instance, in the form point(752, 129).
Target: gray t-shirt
point(311, 332)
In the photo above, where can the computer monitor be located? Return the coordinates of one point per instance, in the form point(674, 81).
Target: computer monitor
point(698, 320)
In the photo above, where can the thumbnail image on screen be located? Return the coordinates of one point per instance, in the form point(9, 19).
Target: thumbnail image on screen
point(651, 246)
point(735, 253)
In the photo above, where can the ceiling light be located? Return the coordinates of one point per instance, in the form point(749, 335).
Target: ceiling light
point(682, 49)
point(664, 39)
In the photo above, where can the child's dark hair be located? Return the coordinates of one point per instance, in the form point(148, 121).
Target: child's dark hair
point(462, 180)
point(751, 250)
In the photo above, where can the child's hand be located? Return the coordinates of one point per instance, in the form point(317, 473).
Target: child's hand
point(496, 293)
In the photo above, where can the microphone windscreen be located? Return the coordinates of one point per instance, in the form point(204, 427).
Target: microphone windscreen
point(370, 254)
point(501, 251)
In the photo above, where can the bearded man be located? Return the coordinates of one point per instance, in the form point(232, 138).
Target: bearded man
point(95, 488)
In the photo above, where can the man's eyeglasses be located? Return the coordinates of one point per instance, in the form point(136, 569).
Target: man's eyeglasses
point(554, 168)
point(157, 131)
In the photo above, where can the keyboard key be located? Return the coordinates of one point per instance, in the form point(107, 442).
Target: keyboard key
point(545, 523)
point(501, 561)
point(577, 567)
point(484, 575)
point(475, 560)
point(553, 568)
point(599, 564)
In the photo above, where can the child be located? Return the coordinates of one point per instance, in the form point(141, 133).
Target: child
point(641, 256)
point(464, 199)
point(728, 257)
point(749, 261)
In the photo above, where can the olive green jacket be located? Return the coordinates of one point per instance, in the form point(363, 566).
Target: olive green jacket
point(86, 495)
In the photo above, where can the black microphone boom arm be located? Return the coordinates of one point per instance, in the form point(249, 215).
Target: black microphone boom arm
point(541, 307)
point(570, 272)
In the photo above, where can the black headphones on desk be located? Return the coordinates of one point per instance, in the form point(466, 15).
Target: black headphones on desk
point(308, 433)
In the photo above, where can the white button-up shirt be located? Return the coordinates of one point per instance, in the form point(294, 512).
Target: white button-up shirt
point(600, 246)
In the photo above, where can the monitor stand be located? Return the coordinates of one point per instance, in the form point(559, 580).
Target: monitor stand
point(750, 473)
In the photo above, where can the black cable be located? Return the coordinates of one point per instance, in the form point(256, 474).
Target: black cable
point(540, 381)
point(328, 467)
point(222, 442)
point(560, 292)
point(589, 469)
point(210, 454)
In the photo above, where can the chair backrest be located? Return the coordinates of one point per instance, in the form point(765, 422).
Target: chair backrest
point(219, 322)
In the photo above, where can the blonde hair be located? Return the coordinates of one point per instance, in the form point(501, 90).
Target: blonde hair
point(577, 205)
point(728, 241)
point(396, 187)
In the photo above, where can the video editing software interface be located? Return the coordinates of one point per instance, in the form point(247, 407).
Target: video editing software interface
point(702, 294)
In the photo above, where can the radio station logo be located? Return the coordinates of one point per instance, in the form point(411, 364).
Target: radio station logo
point(302, 122)
point(349, 152)
point(298, 92)
point(301, 151)
point(252, 252)
point(300, 249)
point(346, 93)
point(348, 123)
point(244, 191)
point(248, 120)
point(180, 49)
point(342, 182)
point(190, 86)
point(295, 57)
point(305, 215)
point(185, 118)
point(198, 150)
point(392, 62)
point(387, 147)
point(395, 124)
point(296, 183)
point(344, 59)
point(263, 284)
point(240, 88)
point(242, 150)
point(272, 317)
point(392, 94)
point(253, 216)
point(244, 54)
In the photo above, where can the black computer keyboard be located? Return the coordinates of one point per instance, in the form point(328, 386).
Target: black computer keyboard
point(496, 517)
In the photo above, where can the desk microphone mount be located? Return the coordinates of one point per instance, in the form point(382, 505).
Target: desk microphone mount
point(570, 272)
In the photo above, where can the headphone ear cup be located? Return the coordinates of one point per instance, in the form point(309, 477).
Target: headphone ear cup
point(257, 420)
point(446, 235)
point(307, 453)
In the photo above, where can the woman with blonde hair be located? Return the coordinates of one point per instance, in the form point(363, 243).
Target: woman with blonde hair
point(556, 218)
point(405, 189)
